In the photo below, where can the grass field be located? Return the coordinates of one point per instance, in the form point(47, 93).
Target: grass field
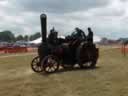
point(110, 78)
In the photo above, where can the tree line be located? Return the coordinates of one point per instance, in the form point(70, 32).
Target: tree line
point(8, 36)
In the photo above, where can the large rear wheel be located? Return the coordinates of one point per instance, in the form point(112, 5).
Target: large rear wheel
point(93, 64)
point(84, 65)
point(89, 64)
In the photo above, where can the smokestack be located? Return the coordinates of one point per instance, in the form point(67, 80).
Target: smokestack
point(43, 18)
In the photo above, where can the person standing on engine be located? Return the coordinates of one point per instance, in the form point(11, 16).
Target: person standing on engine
point(90, 35)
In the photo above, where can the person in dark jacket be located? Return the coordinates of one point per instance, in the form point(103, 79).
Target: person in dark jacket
point(90, 35)
point(80, 33)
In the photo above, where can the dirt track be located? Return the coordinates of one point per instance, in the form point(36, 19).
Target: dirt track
point(108, 79)
point(11, 69)
point(15, 55)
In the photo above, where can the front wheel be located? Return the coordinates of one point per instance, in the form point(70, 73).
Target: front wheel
point(50, 64)
point(35, 65)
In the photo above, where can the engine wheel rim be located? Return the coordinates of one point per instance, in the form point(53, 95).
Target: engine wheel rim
point(36, 65)
point(87, 64)
point(50, 64)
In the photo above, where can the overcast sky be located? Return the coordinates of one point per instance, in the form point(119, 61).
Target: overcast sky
point(108, 18)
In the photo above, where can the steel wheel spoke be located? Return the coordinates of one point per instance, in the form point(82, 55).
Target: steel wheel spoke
point(35, 64)
point(50, 64)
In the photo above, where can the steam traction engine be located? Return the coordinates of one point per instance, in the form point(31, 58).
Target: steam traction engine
point(67, 52)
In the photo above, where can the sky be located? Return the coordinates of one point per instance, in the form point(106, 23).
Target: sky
point(107, 18)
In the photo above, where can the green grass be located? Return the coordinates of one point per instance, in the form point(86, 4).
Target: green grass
point(110, 78)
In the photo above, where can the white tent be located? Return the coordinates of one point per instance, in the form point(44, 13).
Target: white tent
point(37, 41)
point(97, 39)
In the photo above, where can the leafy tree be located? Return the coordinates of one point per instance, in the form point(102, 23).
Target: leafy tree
point(19, 37)
point(26, 38)
point(35, 36)
point(7, 36)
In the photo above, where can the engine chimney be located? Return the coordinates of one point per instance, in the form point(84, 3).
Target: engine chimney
point(43, 18)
